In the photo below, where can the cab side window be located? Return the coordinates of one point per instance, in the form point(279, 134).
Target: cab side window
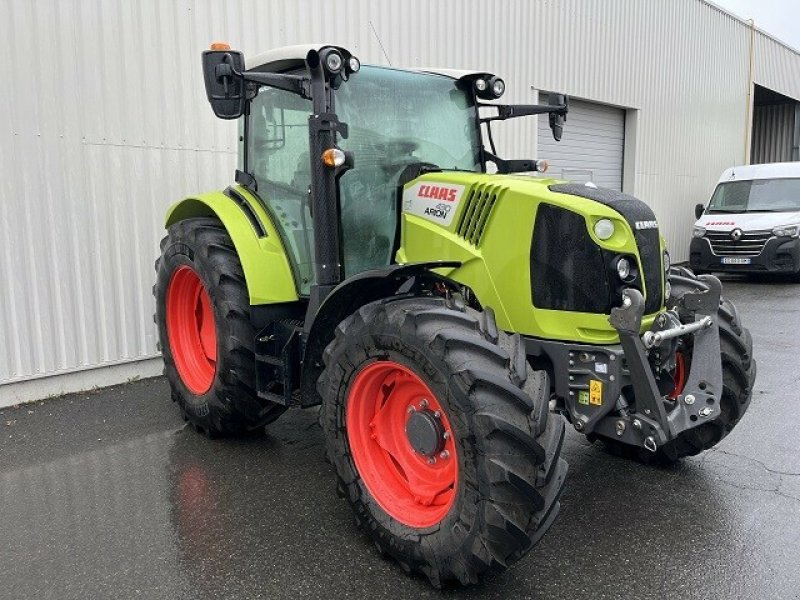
point(277, 156)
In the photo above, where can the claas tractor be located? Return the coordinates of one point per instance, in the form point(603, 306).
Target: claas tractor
point(444, 307)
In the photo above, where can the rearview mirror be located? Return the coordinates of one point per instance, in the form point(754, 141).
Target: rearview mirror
point(699, 210)
point(557, 118)
point(225, 85)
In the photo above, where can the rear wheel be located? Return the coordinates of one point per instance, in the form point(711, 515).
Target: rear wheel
point(207, 341)
point(439, 433)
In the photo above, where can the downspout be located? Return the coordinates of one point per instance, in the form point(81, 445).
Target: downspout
point(748, 115)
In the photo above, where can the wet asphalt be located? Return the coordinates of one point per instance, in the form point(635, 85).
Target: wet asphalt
point(108, 495)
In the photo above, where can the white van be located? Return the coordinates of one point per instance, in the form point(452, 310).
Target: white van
point(752, 222)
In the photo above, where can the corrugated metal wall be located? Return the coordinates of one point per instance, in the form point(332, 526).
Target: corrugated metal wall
point(774, 138)
point(105, 123)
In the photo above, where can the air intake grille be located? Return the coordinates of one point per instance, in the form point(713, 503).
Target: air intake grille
point(568, 270)
point(478, 208)
point(751, 243)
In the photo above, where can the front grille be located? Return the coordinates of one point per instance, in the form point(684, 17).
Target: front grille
point(648, 241)
point(568, 270)
point(477, 209)
point(751, 243)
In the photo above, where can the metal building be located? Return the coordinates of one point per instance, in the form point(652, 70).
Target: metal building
point(105, 123)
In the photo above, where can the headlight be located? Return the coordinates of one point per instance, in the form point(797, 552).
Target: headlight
point(333, 61)
point(604, 229)
point(480, 85)
point(667, 262)
point(498, 87)
point(791, 231)
point(624, 268)
point(354, 64)
point(698, 232)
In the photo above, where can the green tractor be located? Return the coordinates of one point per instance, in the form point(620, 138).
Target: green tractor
point(366, 260)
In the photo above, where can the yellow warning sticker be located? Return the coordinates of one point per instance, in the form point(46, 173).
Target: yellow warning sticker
point(595, 392)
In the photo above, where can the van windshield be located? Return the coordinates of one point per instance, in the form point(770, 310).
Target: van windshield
point(758, 195)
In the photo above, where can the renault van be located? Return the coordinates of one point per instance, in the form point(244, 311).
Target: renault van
point(751, 223)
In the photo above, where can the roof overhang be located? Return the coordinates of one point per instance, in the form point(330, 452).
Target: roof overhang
point(287, 58)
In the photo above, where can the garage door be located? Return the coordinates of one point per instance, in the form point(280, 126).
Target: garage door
point(591, 147)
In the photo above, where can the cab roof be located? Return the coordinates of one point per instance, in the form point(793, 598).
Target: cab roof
point(293, 57)
point(784, 170)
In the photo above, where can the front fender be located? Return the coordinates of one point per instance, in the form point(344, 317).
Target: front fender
point(264, 260)
point(348, 297)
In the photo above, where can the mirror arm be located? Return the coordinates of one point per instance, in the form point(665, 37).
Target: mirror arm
point(513, 111)
point(289, 83)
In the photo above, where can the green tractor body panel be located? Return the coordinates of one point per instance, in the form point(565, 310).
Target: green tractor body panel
point(487, 224)
point(257, 241)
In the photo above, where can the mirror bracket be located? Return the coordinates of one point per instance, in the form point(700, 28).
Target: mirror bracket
point(504, 167)
point(246, 179)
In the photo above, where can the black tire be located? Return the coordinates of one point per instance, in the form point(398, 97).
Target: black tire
point(510, 473)
point(738, 372)
point(738, 375)
point(231, 406)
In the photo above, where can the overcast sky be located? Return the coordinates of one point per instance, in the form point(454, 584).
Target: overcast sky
point(780, 18)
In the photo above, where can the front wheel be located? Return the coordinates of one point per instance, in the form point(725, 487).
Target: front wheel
point(738, 375)
point(439, 433)
point(738, 371)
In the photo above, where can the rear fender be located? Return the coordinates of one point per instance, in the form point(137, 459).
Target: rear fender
point(266, 266)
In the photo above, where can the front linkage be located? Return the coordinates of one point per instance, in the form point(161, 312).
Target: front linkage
point(618, 392)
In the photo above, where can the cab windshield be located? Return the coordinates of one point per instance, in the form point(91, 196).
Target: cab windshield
point(396, 118)
point(758, 195)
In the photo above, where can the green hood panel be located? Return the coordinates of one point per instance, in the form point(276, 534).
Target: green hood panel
point(486, 222)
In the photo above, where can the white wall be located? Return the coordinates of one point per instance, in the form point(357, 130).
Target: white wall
point(105, 123)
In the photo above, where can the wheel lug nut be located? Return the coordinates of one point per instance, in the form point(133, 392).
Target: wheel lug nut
point(437, 414)
point(446, 435)
point(411, 409)
point(431, 460)
point(424, 403)
point(444, 454)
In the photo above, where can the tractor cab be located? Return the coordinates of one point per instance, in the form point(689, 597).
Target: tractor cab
point(395, 119)
point(396, 122)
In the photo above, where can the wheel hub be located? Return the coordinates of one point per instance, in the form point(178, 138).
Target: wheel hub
point(191, 330)
point(401, 443)
point(425, 432)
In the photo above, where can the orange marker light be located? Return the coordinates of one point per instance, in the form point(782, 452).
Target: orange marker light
point(220, 46)
point(333, 157)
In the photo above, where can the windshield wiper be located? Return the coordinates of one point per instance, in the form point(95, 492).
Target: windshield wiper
point(720, 211)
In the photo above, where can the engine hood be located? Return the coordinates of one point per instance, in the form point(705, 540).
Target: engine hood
point(747, 221)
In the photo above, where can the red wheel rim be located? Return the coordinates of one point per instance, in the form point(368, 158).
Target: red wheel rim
point(191, 330)
point(413, 488)
point(679, 376)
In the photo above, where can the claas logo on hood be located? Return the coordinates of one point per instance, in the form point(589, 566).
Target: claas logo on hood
point(436, 192)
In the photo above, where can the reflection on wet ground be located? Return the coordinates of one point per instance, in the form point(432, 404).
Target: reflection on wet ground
point(108, 495)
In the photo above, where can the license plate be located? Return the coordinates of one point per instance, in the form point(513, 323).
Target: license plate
point(731, 260)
